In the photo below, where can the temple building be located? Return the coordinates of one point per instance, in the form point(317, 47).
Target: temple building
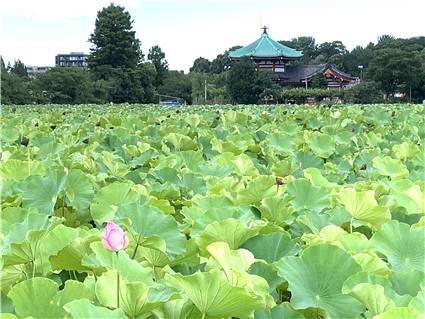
point(270, 55)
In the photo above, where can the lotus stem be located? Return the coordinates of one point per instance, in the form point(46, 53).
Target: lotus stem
point(118, 284)
point(137, 246)
point(33, 268)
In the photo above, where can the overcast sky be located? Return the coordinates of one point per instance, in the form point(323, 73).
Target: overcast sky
point(36, 30)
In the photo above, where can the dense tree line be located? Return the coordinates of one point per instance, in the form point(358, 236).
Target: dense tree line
point(118, 71)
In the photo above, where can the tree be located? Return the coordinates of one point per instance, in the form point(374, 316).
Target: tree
point(201, 65)
point(331, 52)
point(395, 69)
point(305, 44)
point(357, 56)
point(177, 84)
point(14, 90)
point(157, 57)
point(365, 92)
point(19, 69)
point(63, 86)
point(114, 42)
point(245, 83)
point(222, 61)
point(116, 57)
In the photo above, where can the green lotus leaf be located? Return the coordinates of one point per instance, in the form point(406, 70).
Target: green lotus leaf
point(155, 257)
point(14, 215)
point(181, 309)
point(8, 316)
point(133, 295)
point(108, 199)
point(38, 245)
point(230, 260)
point(316, 278)
point(364, 207)
point(18, 231)
point(268, 272)
point(277, 209)
point(115, 164)
point(403, 246)
point(214, 296)
point(406, 195)
point(73, 290)
point(418, 197)
point(307, 196)
point(407, 282)
point(372, 263)
point(388, 166)
point(41, 192)
point(307, 159)
point(150, 221)
point(17, 170)
point(83, 308)
point(181, 142)
point(281, 143)
point(234, 264)
point(167, 174)
point(232, 231)
point(418, 302)
point(405, 150)
point(79, 190)
point(190, 159)
point(194, 183)
point(321, 144)
point(283, 168)
point(350, 242)
point(316, 178)
point(71, 256)
point(372, 297)
point(244, 166)
point(365, 277)
point(257, 189)
point(52, 242)
point(128, 268)
point(33, 298)
point(234, 117)
point(162, 204)
point(201, 218)
point(399, 313)
point(284, 310)
point(271, 247)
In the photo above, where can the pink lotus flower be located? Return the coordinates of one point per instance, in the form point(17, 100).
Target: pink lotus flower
point(113, 237)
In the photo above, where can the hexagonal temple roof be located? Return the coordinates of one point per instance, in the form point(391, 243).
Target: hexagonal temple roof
point(265, 47)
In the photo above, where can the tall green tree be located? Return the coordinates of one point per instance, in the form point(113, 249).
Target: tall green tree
point(19, 69)
point(331, 52)
point(114, 42)
point(395, 69)
point(245, 83)
point(14, 88)
point(116, 57)
point(157, 57)
point(63, 86)
point(201, 65)
point(177, 84)
point(307, 45)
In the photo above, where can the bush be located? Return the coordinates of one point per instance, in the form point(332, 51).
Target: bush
point(365, 92)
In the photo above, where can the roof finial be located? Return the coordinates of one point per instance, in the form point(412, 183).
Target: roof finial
point(264, 29)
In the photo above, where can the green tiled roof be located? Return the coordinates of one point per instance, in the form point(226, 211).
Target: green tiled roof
point(266, 47)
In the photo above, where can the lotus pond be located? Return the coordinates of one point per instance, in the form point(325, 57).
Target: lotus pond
point(265, 212)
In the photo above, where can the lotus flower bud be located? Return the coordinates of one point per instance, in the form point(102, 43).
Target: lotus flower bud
point(279, 180)
point(113, 237)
